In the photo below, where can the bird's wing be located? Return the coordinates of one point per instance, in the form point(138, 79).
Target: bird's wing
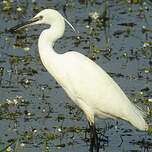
point(86, 80)
point(91, 88)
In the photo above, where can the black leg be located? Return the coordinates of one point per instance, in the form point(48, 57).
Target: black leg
point(95, 142)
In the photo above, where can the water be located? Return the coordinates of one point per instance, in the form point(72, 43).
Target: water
point(36, 112)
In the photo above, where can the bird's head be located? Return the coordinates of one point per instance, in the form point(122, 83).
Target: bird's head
point(46, 16)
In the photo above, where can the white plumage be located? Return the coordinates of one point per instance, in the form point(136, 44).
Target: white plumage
point(87, 84)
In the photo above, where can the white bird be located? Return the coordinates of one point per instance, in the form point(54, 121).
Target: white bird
point(87, 84)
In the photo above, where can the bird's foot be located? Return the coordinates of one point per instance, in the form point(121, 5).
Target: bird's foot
point(95, 141)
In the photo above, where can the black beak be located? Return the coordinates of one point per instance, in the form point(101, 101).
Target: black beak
point(13, 29)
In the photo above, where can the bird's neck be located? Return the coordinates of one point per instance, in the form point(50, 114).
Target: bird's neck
point(45, 44)
point(49, 36)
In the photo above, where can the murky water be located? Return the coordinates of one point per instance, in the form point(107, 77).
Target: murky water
point(35, 113)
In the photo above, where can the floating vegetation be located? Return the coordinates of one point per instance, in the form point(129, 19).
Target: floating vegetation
point(8, 147)
point(33, 115)
point(134, 1)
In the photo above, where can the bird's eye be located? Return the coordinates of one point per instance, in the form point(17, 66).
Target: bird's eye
point(41, 17)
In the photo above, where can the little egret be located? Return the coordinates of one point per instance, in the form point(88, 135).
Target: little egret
point(87, 84)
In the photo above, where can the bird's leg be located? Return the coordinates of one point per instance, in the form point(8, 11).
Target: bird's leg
point(95, 142)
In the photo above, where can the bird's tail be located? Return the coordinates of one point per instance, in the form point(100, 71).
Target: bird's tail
point(137, 118)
